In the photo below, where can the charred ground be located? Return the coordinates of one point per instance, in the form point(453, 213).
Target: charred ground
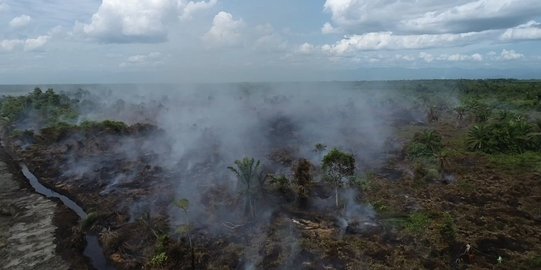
point(420, 169)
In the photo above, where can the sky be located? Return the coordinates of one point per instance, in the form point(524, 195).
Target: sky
point(123, 41)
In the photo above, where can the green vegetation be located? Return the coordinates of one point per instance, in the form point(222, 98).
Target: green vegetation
point(448, 228)
point(338, 166)
point(107, 125)
point(248, 173)
point(417, 223)
point(159, 260)
point(90, 219)
point(527, 161)
point(425, 144)
point(45, 108)
point(303, 178)
point(507, 136)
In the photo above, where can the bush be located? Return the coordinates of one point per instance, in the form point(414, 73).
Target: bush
point(107, 125)
point(159, 260)
point(448, 230)
point(426, 143)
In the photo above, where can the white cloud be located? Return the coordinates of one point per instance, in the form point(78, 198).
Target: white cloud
point(427, 57)
point(408, 58)
point(225, 31)
point(429, 16)
point(121, 21)
point(20, 21)
point(192, 7)
point(306, 48)
point(530, 30)
point(140, 60)
point(462, 57)
point(328, 29)
point(10, 44)
point(510, 55)
point(389, 41)
point(25, 44)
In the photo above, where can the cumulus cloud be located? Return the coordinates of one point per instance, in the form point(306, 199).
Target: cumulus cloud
point(20, 21)
point(187, 10)
point(429, 16)
point(530, 30)
point(123, 21)
point(389, 41)
point(457, 57)
point(328, 29)
point(510, 55)
point(225, 31)
point(140, 60)
point(29, 44)
point(306, 48)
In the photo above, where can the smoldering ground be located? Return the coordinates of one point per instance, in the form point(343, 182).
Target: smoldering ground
point(203, 129)
point(207, 127)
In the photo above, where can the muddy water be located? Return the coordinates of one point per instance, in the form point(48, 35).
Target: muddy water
point(93, 250)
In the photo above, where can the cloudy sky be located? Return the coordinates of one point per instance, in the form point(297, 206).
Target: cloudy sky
point(87, 41)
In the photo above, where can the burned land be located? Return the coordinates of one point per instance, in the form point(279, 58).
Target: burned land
point(442, 174)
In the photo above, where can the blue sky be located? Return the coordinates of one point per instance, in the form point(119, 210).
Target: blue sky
point(93, 41)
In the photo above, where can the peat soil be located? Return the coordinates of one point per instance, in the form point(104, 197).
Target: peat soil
point(35, 232)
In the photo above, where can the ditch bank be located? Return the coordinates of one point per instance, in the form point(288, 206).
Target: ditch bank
point(39, 228)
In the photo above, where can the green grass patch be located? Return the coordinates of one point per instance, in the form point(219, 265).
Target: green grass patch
point(417, 223)
point(530, 161)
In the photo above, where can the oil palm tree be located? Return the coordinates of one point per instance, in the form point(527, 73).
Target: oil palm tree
point(479, 139)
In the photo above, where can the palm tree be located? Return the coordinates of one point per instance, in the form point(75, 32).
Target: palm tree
point(430, 138)
point(479, 139)
point(248, 173)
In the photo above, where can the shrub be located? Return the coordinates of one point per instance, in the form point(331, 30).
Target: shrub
point(159, 260)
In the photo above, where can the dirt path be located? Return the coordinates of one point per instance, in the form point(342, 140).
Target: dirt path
point(27, 233)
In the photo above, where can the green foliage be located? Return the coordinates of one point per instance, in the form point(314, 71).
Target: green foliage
point(90, 219)
point(337, 165)
point(528, 161)
point(248, 173)
point(183, 204)
point(363, 182)
point(303, 177)
point(425, 171)
point(448, 228)
point(510, 136)
point(57, 131)
point(107, 125)
point(280, 181)
point(159, 260)
point(47, 108)
point(319, 147)
point(424, 144)
point(417, 223)
point(479, 111)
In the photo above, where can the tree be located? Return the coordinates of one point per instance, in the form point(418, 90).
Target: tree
point(303, 179)
point(249, 175)
point(338, 166)
point(479, 138)
point(430, 138)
